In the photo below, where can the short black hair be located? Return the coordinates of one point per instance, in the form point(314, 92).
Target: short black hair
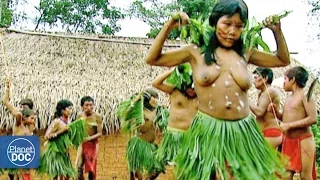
point(300, 74)
point(265, 73)
point(86, 98)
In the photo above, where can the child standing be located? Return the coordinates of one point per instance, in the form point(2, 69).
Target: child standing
point(298, 115)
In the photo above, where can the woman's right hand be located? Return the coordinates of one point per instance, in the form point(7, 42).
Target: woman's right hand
point(183, 20)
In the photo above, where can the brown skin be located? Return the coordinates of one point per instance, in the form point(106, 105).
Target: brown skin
point(223, 84)
point(93, 129)
point(20, 128)
point(297, 117)
point(266, 119)
point(22, 123)
point(57, 127)
point(30, 124)
point(182, 108)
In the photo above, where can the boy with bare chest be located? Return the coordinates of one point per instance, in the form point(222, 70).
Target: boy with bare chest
point(20, 128)
point(88, 152)
point(24, 125)
point(299, 113)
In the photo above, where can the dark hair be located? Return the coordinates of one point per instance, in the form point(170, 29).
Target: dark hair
point(265, 73)
point(27, 113)
point(147, 94)
point(85, 99)
point(300, 75)
point(62, 105)
point(27, 102)
point(225, 8)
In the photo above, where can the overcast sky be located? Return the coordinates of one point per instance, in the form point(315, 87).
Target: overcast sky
point(295, 26)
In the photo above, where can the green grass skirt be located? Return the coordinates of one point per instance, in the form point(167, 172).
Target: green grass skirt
point(55, 160)
point(226, 147)
point(170, 145)
point(141, 156)
point(56, 164)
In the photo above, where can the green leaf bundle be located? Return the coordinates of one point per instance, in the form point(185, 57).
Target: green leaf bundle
point(130, 113)
point(181, 78)
point(55, 160)
point(162, 118)
point(252, 37)
point(198, 31)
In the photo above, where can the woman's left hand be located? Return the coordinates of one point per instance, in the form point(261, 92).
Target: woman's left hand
point(271, 24)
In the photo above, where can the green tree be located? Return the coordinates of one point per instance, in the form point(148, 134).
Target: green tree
point(155, 13)
point(5, 13)
point(89, 16)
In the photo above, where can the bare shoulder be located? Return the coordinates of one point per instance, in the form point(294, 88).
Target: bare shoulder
point(192, 49)
point(174, 93)
point(55, 122)
point(274, 91)
point(98, 116)
point(80, 115)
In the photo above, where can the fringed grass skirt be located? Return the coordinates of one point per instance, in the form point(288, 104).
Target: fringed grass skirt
point(170, 145)
point(226, 149)
point(56, 164)
point(141, 156)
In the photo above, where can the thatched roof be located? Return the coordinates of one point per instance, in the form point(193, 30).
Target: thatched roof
point(47, 69)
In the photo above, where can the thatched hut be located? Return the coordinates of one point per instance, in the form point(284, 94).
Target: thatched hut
point(49, 67)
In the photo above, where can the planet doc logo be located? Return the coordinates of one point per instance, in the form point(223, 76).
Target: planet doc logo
point(21, 152)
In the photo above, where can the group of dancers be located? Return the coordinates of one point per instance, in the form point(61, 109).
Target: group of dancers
point(214, 131)
point(87, 152)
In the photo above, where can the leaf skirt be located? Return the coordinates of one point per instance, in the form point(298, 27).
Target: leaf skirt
point(226, 149)
point(170, 145)
point(141, 156)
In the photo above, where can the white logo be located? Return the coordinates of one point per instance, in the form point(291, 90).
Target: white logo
point(21, 152)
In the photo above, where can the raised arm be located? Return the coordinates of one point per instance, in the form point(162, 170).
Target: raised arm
point(13, 110)
point(159, 83)
point(171, 58)
point(265, 59)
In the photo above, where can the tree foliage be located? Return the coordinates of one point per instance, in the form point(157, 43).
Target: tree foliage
point(89, 16)
point(156, 13)
point(5, 13)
